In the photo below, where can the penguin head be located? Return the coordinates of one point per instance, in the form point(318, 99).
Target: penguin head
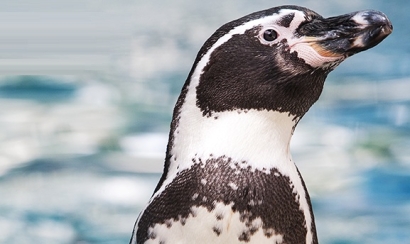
point(278, 59)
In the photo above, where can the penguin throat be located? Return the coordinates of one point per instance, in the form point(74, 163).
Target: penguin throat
point(259, 138)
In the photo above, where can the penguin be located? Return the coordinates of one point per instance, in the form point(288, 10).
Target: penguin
point(229, 176)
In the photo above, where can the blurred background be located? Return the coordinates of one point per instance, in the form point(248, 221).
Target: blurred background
point(87, 89)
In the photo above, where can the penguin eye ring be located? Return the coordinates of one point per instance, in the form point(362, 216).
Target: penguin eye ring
point(270, 35)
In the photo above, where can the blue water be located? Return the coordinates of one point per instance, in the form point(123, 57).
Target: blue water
point(86, 96)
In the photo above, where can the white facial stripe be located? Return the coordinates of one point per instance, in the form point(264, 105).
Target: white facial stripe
point(297, 19)
point(285, 32)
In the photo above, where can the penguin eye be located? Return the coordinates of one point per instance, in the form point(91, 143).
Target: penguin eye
point(270, 35)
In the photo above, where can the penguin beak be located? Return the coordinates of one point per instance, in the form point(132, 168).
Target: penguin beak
point(345, 35)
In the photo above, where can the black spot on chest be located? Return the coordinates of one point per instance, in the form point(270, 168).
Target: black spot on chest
point(252, 194)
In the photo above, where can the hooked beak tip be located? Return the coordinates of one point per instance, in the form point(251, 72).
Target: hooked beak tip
point(376, 26)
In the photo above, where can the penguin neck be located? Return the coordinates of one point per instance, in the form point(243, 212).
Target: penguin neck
point(258, 139)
